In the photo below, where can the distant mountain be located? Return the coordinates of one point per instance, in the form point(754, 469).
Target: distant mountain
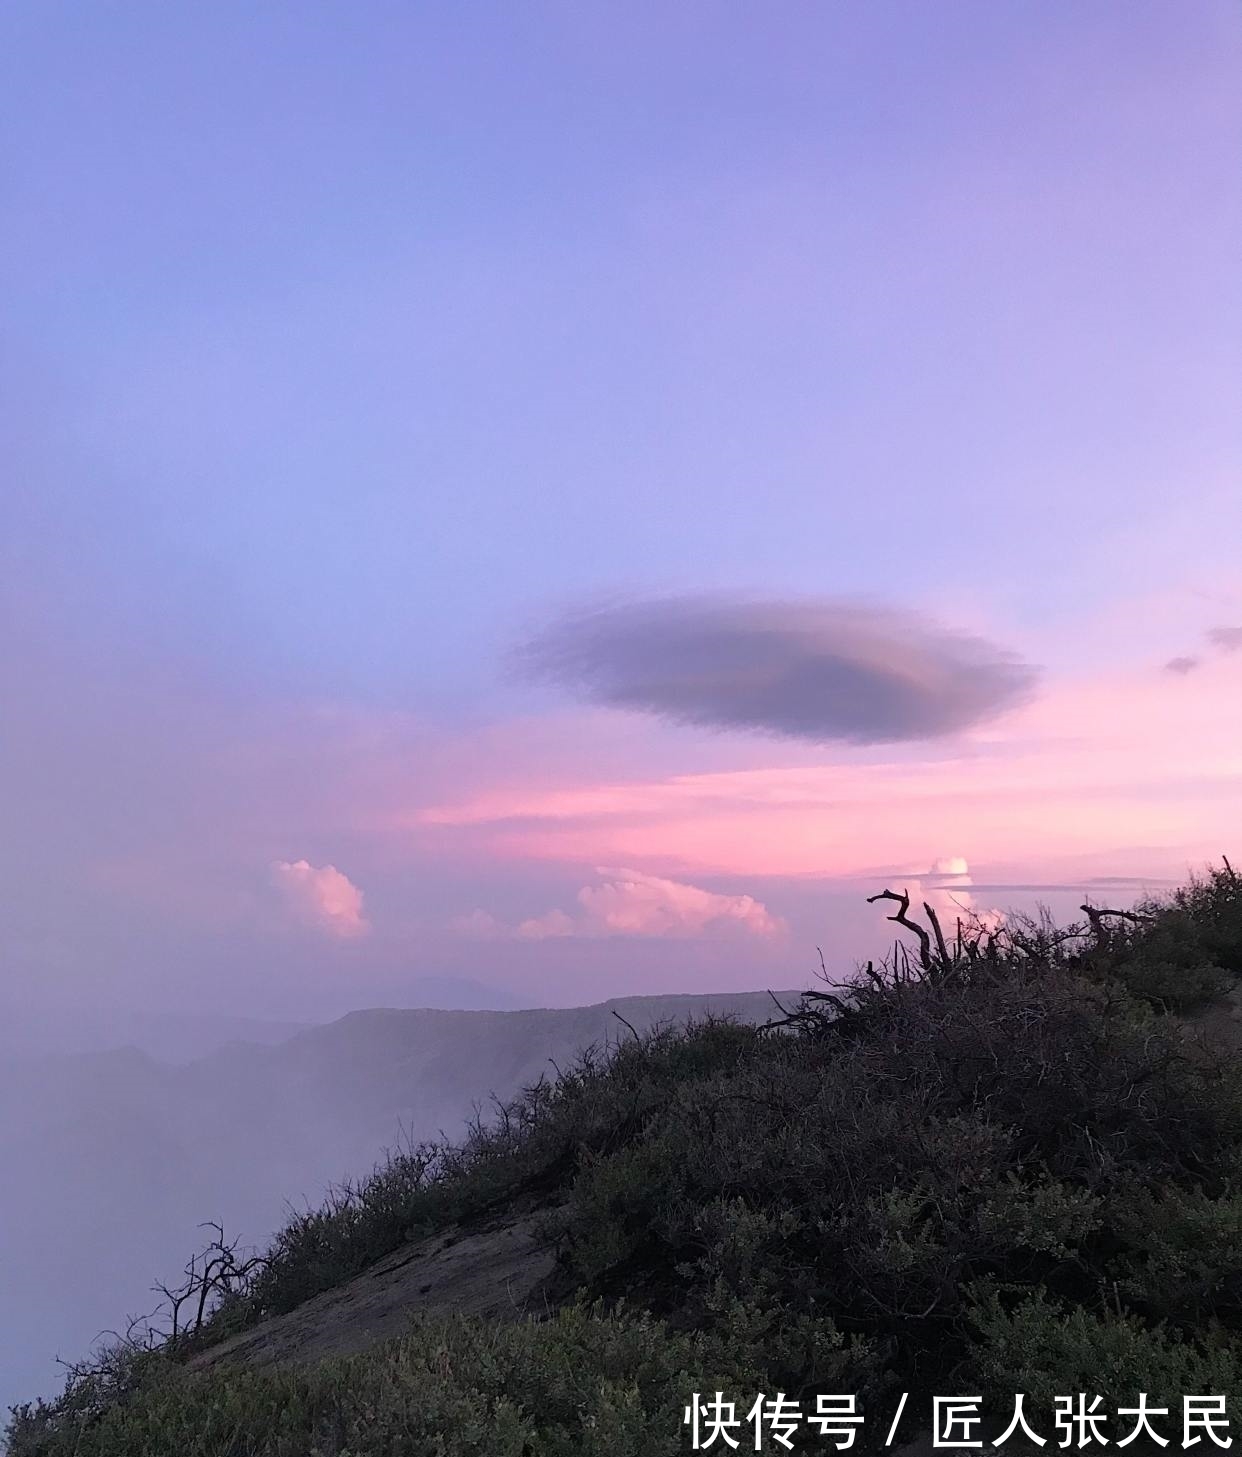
point(125, 1151)
point(27, 1031)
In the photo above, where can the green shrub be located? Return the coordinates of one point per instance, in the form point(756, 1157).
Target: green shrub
point(1184, 1255)
point(580, 1381)
point(1173, 962)
point(1047, 1349)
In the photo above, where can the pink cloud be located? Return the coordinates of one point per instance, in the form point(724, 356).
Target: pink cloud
point(633, 903)
point(1133, 770)
point(321, 896)
point(1099, 765)
point(480, 925)
point(551, 924)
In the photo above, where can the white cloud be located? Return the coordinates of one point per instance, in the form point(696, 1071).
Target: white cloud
point(947, 888)
point(321, 896)
point(550, 924)
point(632, 903)
point(479, 924)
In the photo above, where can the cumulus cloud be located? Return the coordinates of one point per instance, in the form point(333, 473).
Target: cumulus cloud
point(1181, 666)
point(1227, 639)
point(812, 669)
point(949, 888)
point(551, 924)
point(952, 867)
point(478, 924)
point(321, 896)
point(632, 903)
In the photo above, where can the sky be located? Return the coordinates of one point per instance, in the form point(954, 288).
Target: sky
point(561, 500)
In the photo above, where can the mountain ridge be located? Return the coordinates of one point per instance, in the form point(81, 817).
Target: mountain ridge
point(123, 1142)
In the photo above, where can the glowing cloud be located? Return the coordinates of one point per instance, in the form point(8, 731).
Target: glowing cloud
point(480, 925)
point(321, 896)
point(947, 888)
point(632, 903)
point(1134, 757)
point(549, 925)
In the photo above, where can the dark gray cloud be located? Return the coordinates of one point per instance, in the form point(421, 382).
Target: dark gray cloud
point(1228, 639)
point(1221, 639)
point(817, 669)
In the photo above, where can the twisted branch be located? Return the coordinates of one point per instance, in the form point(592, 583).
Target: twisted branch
point(1096, 914)
point(902, 919)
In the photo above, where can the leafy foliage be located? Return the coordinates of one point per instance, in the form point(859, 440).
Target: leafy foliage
point(580, 1381)
point(1045, 1349)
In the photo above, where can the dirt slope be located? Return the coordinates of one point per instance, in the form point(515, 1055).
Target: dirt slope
point(496, 1270)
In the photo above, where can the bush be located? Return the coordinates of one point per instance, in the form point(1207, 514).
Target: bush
point(1184, 1252)
point(1047, 1349)
point(459, 1388)
point(1006, 1162)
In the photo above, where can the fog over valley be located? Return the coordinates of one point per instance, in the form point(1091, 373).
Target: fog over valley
point(113, 1158)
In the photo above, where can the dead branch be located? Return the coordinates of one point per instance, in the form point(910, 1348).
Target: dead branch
point(935, 925)
point(779, 1005)
point(217, 1273)
point(902, 919)
point(1096, 914)
point(624, 1023)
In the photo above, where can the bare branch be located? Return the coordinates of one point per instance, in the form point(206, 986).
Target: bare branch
point(1096, 914)
point(624, 1023)
point(902, 919)
point(783, 1009)
point(935, 925)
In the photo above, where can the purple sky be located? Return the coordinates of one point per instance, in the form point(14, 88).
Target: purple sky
point(575, 496)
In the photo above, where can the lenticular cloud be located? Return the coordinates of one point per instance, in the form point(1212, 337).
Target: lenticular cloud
point(818, 670)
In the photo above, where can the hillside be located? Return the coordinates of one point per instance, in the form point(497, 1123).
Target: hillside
point(1011, 1160)
point(123, 1151)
